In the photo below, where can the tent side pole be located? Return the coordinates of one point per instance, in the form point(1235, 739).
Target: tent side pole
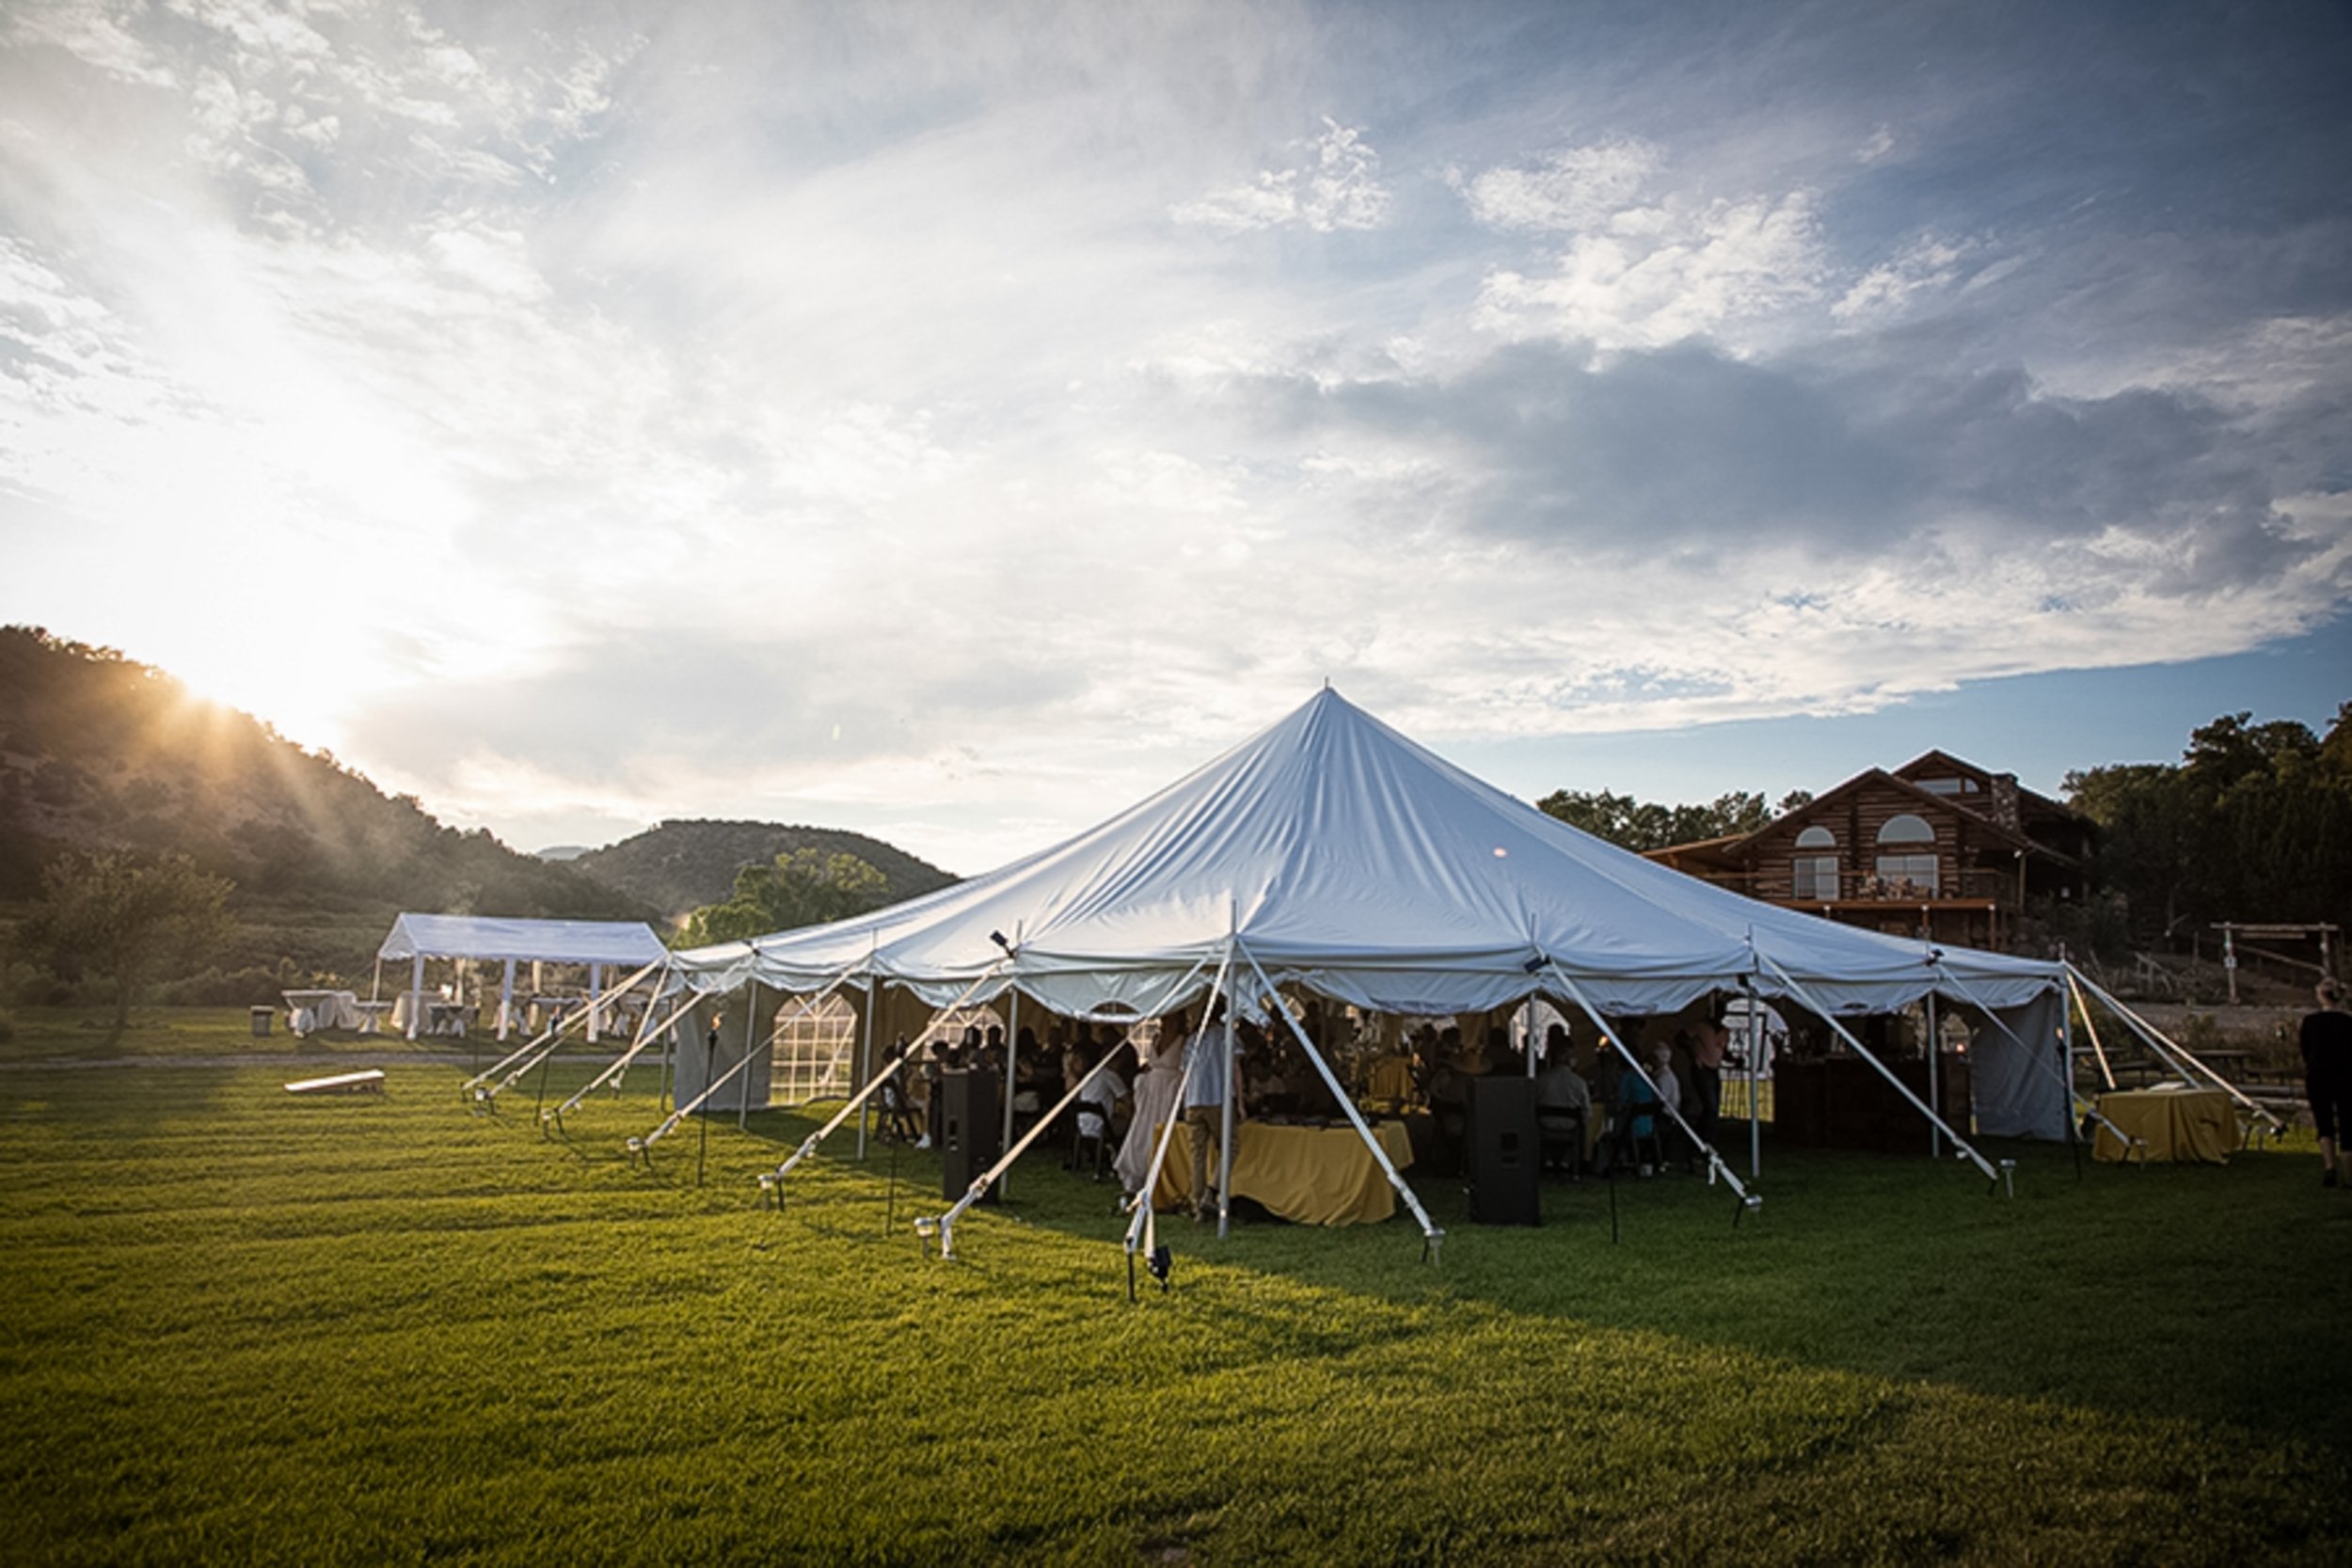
point(751, 1046)
point(2098, 1050)
point(1146, 1222)
point(1715, 1162)
point(2153, 1035)
point(1755, 1077)
point(1225, 1113)
point(857, 1102)
point(646, 1033)
point(1966, 1150)
point(1935, 1076)
point(549, 1038)
point(866, 1053)
point(416, 992)
point(712, 1085)
point(1012, 1061)
point(995, 1173)
point(1429, 1230)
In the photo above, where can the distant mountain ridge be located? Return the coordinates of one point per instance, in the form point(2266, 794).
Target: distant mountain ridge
point(102, 751)
point(680, 866)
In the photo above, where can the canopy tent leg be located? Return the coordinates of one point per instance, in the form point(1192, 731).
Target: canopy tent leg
point(1959, 1142)
point(506, 1001)
point(1012, 1061)
point(751, 1036)
point(1431, 1234)
point(670, 1124)
point(1716, 1164)
point(946, 1224)
point(646, 1033)
point(1935, 1078)
point(866, 1056)
point(1146, 1220)
point(416, 992)
point(549, 1038)
point(773, 1181)
point(2098, 1050)
point(1755, 1077)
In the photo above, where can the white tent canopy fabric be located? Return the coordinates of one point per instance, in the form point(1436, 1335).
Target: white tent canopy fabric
point(572, 942)
point(1349, 861)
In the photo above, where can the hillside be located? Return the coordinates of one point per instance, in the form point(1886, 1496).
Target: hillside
point(680, 866)
point(99, 750)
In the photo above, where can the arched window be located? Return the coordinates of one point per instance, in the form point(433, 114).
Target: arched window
point(1814, 871)
point(1907, 865)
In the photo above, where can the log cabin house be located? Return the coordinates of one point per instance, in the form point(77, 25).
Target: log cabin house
point(1939, 848)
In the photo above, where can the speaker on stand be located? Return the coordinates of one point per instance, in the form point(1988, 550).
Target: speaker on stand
point(971, 1130)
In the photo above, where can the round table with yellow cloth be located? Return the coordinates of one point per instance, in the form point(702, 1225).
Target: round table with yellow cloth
point(1313, 1174)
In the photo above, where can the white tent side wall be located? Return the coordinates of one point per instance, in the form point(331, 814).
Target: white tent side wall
point(2015, 1095)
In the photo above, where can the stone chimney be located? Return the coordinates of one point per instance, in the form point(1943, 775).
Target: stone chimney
point(2004, 805)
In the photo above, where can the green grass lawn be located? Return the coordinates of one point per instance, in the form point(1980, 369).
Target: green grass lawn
point(239, 1325)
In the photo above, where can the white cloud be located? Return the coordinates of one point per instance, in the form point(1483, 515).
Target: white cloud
point(1336, 186)
point(819, 420)
point(1665, 273)
point(1577, 187)
point(1928, 266)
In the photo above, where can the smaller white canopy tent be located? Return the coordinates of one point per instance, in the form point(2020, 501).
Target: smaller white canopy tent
point(598, 943)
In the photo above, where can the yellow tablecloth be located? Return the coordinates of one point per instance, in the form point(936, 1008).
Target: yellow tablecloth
point(2175, 1124)
point(1313, 1174)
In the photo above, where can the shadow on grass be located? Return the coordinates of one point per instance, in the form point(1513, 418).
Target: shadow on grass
point(2194, 1293)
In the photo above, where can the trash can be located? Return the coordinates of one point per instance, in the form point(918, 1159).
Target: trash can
point(261, 1023)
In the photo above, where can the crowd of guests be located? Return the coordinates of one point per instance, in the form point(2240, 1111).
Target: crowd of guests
point(1598, 1113)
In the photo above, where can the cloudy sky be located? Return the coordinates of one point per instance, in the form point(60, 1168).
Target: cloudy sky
point(952, 423)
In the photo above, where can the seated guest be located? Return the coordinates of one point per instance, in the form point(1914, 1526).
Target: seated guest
point(1563, 1102)
point(1091, 1113)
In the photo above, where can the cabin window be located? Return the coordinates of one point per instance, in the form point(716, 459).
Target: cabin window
point(1907, 865)
point(1815, 874)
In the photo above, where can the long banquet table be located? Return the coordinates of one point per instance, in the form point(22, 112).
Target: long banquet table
point(1313, 1174)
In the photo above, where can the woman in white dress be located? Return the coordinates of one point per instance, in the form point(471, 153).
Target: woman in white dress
point(1156, 1102)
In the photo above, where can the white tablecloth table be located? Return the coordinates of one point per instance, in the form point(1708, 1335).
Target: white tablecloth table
point(310, 1011)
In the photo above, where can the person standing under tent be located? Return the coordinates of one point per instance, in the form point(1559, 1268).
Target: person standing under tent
point(2326, 1038)
point(1156, 1102)
point(1709, 1041)
point(1204, 1105)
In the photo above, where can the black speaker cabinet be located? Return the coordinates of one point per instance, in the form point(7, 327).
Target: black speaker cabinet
point(1506, 1151)
point(971, 1128)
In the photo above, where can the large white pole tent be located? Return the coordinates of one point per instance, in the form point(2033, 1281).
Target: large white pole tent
point(1330, 856)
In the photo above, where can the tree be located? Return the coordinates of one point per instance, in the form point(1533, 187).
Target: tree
point(1640, 825)
point(805, 887)
point(2254, 823)
point(109, 917)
